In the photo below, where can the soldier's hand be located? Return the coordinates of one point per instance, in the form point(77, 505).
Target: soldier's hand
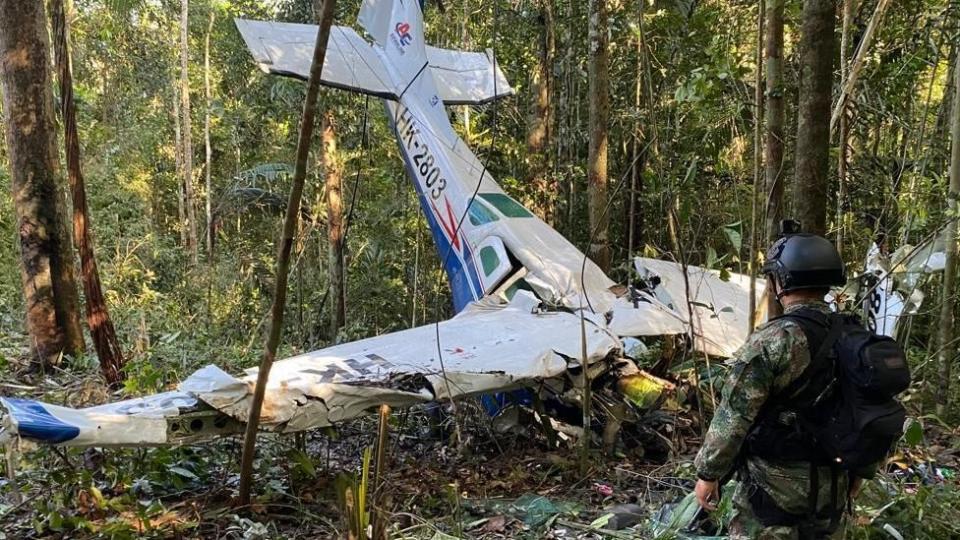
point(708, 492)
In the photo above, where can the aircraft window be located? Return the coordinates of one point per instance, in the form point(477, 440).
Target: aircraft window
point(506, 205)
point(489, 259)
point(521, 284)
point(480, 214)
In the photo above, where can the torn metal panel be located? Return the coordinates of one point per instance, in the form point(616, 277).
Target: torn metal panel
point(483, 351)
point(720, 308)
point(891, 283)
point(645, 315)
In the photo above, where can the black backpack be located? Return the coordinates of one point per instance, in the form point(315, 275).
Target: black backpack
point(842, 411)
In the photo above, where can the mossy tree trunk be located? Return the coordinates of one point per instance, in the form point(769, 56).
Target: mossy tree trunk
point(46, 251)
point(812, 157)
point(597, 181)
point(333, 178)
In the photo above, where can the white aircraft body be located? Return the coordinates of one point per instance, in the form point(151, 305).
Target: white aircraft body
point(518, 286)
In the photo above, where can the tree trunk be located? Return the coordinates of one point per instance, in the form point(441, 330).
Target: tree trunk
point(178, 159)
point(98, 317)
point(948, 348)
point(813, 115)
point(208, 152)
point(773, 151)
point(540, 133)
point(290, 225)
point(46, 253)
point(757, 163)
point(333, 175)
point(946, 105)
point(637, 153)
point(849, 9)
point(599, 118)
point(187, 158)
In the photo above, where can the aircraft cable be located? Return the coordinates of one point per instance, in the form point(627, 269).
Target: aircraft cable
point(364, 143)
point(425, 125)
point(463, 215)
point(456, 154)
point(585, 296)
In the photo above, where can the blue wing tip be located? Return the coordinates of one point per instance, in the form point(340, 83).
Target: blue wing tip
point(33, 421)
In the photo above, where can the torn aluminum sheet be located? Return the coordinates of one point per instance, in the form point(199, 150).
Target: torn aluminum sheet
point(720, 308)
point(484, 350)
point(892, 282)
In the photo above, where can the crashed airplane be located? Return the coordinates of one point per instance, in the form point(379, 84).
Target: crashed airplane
point(520, 289)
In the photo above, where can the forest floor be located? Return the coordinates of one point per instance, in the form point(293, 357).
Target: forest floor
point(502, 481)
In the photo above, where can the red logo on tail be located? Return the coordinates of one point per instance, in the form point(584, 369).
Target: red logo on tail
point(403, 32)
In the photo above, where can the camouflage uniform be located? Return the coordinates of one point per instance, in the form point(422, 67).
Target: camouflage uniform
point(775, 355)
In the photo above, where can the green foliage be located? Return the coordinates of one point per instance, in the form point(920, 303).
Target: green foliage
point(352, 494)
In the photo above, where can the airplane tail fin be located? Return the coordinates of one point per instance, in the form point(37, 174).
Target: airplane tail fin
point(397, 26)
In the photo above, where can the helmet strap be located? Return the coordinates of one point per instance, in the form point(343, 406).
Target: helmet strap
point(777, 289)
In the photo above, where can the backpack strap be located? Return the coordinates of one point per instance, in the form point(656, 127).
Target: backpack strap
point(822, 332)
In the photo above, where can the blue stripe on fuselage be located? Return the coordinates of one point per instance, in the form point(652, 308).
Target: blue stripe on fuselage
point(463, 280)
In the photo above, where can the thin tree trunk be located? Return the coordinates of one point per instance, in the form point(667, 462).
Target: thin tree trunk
point(188, 198)
point(849, 9)
point(946, 105)
point(46, 253)
point(757, 163)
point(178, 159)
point(599, 117)
point(539, 135)
point(465, 45)
point(948, 348)
point(208, 152)
point(856, 65)
point(773, 149)
point(290, 224)
point(637, 153)
point(98, 316)
point(812, 165)
point(333, 175)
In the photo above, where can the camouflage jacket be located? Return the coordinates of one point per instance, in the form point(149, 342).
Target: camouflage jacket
point(775, 355)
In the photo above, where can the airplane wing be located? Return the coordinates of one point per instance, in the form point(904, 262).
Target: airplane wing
point(486, 349)
point(720, 308)
point(352, 63)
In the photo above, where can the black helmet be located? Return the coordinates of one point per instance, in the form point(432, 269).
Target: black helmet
point(804, 261)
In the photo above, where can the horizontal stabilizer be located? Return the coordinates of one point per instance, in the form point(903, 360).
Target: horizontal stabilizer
point(287, 49)
point(466, 78)
point(351, 63)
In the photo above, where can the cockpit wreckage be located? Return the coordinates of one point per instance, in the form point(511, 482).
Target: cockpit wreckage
point(532, 311)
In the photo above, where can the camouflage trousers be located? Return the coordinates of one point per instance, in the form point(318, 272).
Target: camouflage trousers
point(744, 524)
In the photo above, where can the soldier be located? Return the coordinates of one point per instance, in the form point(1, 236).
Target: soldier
point(781, 497)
